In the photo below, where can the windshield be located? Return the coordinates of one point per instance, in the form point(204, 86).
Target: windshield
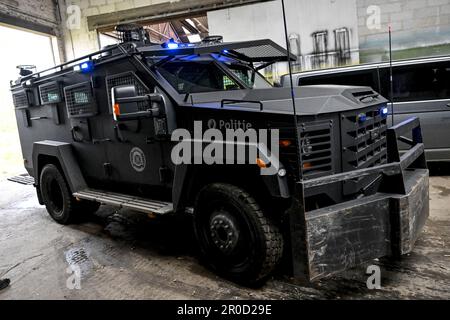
point(249, 76)
point(197, 76)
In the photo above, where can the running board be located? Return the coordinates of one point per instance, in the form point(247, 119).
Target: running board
point(125, 201)
point(24, 179)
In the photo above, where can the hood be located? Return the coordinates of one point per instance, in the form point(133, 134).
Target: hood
point(309, 100)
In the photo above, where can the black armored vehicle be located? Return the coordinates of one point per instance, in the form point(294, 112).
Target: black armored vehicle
point(100, 130)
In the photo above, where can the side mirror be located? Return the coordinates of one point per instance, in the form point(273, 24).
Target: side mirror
point(127, 105)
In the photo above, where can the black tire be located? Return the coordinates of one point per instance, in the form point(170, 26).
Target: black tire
point(58, 199)
point(235, 237)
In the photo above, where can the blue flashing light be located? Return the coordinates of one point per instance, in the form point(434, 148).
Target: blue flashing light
point(362, 118)
point(225, 52)
point(87, 66)
point(172, 44)
point(384, 112)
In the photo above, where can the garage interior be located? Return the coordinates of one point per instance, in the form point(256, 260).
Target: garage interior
point(125, 255)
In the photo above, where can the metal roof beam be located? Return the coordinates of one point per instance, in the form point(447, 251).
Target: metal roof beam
point(163, 12)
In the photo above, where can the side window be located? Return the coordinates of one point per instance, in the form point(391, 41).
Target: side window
point(193, 77)
point(421, 82)
point(385, 88)
point(358, 78)
point(50, 93)
point(80, 101)
point(443, 81)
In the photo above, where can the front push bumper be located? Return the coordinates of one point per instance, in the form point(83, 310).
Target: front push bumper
point(327, 241)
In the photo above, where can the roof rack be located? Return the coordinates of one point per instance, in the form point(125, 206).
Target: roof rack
point(250, 51)
point(72, 63)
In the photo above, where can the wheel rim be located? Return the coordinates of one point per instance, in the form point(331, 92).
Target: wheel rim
point(56, 197)
point(227, 237)
point(224, 232)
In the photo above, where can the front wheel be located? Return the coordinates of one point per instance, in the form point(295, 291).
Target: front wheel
point(236, 238)
point(58, 199)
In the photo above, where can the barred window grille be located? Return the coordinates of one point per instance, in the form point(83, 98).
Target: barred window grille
point(128, 78)
point(50, 93)
point(80, 101)
point(23, 99)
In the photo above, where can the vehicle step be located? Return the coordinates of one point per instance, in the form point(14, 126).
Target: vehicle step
point(126, 201)
point(24, 179)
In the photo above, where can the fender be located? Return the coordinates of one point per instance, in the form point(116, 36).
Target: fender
point(276, 185)
point(63, 152)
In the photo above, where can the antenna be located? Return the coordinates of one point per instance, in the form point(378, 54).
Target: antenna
point(288, 47)
point(391, 71)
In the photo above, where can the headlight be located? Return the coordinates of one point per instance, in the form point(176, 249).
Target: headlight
point(307, 148)
point(384, 111)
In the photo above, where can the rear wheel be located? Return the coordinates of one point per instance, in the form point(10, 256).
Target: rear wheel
point(58, 199)
point(236, 238)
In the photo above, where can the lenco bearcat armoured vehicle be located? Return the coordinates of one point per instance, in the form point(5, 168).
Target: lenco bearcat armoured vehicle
point(98, 130)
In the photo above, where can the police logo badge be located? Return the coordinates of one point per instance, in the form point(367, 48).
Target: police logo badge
point(138, 160)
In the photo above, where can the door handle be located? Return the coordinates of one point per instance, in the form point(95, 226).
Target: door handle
point(44, 118)
point(98, 141)
point(448, 105)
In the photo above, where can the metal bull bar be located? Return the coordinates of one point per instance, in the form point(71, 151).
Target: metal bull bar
point(330, 240)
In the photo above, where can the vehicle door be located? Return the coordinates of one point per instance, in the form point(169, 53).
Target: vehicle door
point(84, 126)
point(136, 157)
point(423, 90)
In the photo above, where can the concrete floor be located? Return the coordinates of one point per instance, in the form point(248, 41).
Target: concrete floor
point(123, 255)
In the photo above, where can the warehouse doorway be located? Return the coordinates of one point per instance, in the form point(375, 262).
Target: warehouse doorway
point(23, 48)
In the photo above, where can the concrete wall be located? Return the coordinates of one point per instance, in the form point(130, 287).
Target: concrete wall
point(37, 15)
point(416, 23)
point(79, 40)
point(40, 12)
point(304, 17)
point(420, 27)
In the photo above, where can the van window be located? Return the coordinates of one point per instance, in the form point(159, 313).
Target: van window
point(355, 78)
point(419, 82)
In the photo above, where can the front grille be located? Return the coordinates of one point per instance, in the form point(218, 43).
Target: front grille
point(364, 143)
point(316, 150)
